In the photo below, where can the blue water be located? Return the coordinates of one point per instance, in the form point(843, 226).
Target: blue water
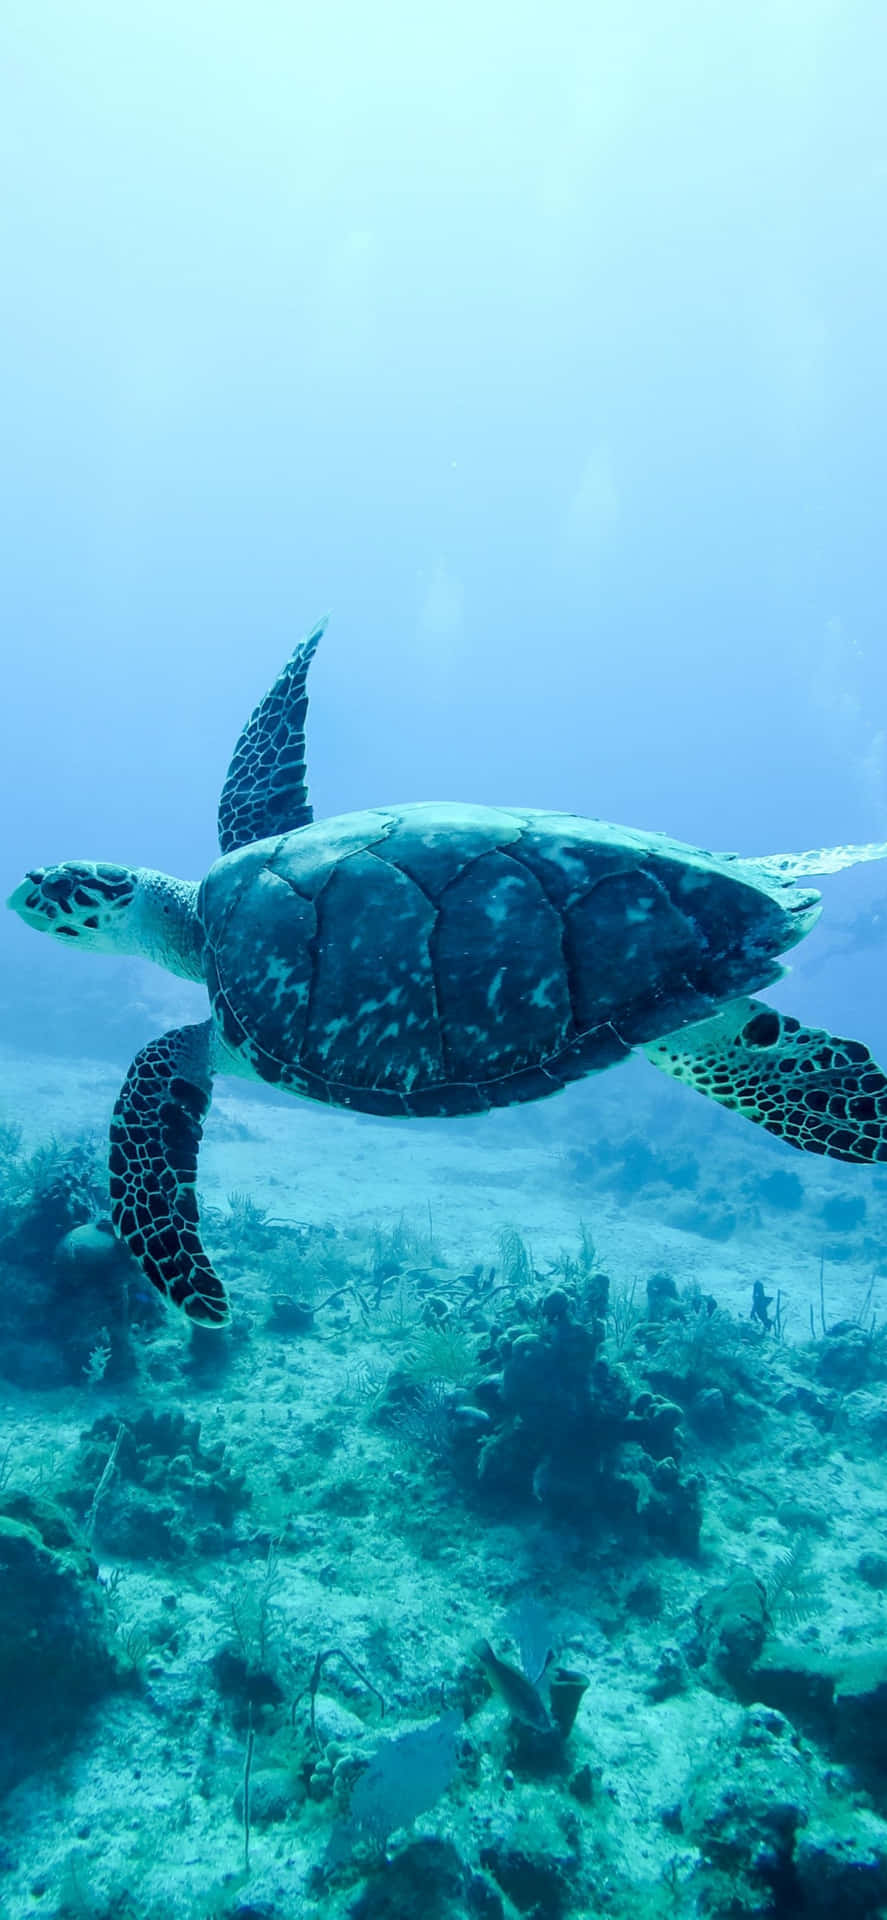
point(543, 347)
point(545, 352)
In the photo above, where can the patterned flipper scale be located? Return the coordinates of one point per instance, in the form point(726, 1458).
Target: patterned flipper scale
point(155, 1136)
point(818, 1093)
point(266, 789)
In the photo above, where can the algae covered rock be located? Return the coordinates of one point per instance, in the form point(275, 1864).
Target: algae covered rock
point(839, 1699)
point(534, 1878)
point(77, 1295)
point(796, 1680)
point(841, 1866)
point(865, 1412)
point(847, 1357)
point(56, 1651)
point(732, 1624)
point(54, 1191)
point(170, 1495)
point(426, 1877)
point(861, 1707)
point(746, 1806)
point(872, 1568)
point(565, 1428)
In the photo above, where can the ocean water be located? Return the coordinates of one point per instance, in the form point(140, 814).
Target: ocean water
point(519, 1546)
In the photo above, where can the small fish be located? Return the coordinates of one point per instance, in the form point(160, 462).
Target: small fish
point(523, 1700)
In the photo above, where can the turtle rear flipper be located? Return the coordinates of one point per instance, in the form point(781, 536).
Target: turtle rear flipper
point(266, 786)
point(155, 1135)
point(816, 1092)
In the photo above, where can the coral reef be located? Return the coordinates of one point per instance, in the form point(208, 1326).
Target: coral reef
point(265, 1559)
point(169, 1496)
point(57, 1655)
point(72, 1299)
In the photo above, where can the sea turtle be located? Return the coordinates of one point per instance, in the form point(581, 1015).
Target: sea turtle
point(441, 959)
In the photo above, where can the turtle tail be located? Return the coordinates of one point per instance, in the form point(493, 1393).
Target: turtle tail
point(155, 1136)
point(815, 1092)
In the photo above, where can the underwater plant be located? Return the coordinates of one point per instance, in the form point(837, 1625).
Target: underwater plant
point(407, 1775)
point(252, 1611)
point(794, 1589)
point(515, 1262)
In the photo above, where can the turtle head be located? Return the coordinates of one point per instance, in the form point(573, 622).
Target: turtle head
point(82, 901)
point(107, 909)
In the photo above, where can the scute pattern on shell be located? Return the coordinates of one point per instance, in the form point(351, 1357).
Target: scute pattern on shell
point(441, 959)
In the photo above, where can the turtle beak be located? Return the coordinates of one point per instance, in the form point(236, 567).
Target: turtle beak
point(26, 900)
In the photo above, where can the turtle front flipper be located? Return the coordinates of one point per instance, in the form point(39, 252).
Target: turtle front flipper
point(815, 1092)
point(265, 788)
point(155, 1135)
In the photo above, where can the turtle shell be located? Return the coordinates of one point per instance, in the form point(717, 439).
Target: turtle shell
point(440, 959)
